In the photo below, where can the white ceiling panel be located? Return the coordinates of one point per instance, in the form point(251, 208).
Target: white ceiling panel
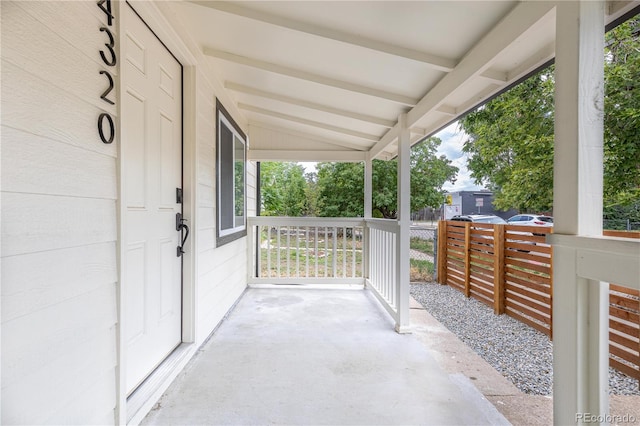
point(340, 73)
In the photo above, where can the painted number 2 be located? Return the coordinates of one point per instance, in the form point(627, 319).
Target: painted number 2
point(106, 125)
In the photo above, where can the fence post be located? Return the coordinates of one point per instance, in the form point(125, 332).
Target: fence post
point(467, 259)
point(436, 268)
point(442, 252)
point(498, 270)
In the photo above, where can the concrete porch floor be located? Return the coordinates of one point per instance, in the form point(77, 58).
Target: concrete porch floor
point(316, 356)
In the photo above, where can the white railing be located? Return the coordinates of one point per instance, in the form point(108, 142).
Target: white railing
point(300, 250)
point(383, 262)
point(343, 251)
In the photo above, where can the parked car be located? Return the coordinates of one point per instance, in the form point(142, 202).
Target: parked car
point(481, 218)
point(530, 220)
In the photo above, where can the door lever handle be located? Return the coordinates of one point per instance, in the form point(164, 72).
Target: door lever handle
point(180, 226)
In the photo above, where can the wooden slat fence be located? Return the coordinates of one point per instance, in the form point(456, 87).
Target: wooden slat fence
point(624, 322)
point(510, 268)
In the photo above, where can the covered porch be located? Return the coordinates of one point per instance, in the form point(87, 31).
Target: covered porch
point(286, 81)
point(318, 356)
point(329, 107)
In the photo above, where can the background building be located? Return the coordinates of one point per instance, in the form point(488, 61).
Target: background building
point(473, 202)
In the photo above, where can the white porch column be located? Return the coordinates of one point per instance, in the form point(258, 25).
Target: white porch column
point(368, 202)
point(580, 306)
point(404, 214)
point(368, 186)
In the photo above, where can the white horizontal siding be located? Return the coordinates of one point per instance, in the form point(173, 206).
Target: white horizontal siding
point(59, 191)
point(38, 165)
point(50, 355)
point(32, 223)
point(59, 218)
point(52, 277)
point(221, 270)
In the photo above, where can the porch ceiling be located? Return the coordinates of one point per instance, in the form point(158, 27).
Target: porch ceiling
point(328, 80)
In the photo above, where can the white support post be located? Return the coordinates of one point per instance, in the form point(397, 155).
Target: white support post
point(368, 186)
point(580, 306)
point(368, 211)
point(404, 213)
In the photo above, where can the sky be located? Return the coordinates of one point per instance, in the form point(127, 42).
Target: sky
point(451, 147)
point(453, 139)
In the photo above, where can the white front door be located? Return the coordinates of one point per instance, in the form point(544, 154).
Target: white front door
point(151, 120)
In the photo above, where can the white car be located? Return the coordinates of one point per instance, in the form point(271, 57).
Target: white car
point(530, 220)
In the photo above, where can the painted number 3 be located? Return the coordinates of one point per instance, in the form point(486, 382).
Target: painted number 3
point(106, 125)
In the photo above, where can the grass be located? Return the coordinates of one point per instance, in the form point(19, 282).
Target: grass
point(421, 270)
point(293, 262)
point(320, 254)
point(421, 245)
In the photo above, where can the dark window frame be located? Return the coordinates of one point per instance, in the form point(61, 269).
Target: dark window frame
point(225, 235)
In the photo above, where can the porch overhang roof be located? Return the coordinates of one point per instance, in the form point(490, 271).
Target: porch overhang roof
point(327, 81)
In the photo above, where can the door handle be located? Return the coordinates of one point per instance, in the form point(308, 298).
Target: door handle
point(181, 226)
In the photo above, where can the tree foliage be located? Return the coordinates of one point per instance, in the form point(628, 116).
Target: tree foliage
point(282, 189)
point(622, 115)
point(341, 185)
point(510, 145)
point(340, 189)
point(511, 138)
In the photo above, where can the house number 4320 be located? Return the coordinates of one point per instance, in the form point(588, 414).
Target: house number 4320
point(106, 125)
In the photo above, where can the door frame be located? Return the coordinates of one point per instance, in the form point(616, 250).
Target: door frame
point(160, 379)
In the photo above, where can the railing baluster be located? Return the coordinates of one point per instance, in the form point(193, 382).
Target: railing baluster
point(258, 271)
point(353, 252)
point(326, 251)
point(268, 251)
point(315, 241)
point(288, 251)
point(298, 238)
point(394, 257)
point(372, 256)
point(387, 240)
point(306, 251)
point(344, 252)
point(279, 246)
point(334, 251)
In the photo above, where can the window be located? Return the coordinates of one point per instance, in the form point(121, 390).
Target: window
point(230, 178)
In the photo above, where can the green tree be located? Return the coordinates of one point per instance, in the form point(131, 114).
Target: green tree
point(510, 143)
point(282, 189)
point(311, 194)
point(622, 116)
point(340, 189)
point(341, 185)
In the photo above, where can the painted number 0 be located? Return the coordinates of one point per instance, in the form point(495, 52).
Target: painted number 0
point(109, 60)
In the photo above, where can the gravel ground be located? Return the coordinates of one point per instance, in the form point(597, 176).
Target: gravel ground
point(521, 353)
